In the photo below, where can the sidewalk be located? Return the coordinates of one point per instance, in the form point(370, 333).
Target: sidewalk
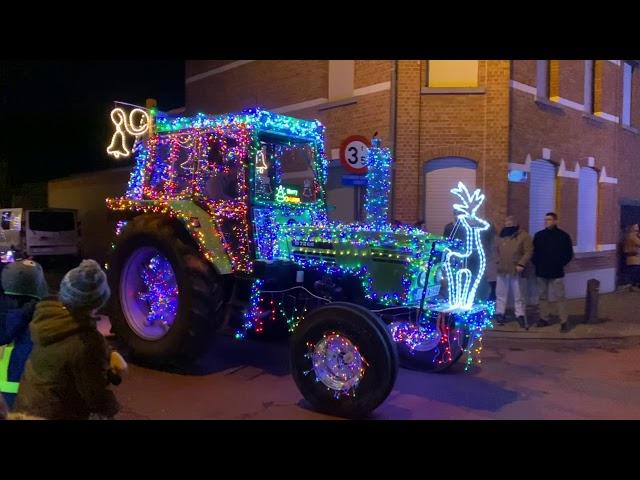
point(618, 317)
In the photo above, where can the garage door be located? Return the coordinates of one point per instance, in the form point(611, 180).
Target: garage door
point(587, 209)
point(441, 175)
point(542, 193)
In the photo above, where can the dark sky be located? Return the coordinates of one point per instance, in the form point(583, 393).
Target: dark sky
point(54, 115)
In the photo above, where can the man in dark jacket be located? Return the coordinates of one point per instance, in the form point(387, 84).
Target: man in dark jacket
point(23, 284)
point(552, 251)
point(66, 376)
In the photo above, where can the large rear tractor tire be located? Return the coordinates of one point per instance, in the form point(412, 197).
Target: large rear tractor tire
point(166, 300)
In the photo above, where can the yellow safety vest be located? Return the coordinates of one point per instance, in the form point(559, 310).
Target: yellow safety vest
point(5, 357)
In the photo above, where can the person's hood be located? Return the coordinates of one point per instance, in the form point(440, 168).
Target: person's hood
point(52, 322)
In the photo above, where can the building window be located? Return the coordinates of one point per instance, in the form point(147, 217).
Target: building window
point(542, 193)
point(627, 76)
point(587, 210)
point(452, 73)
point(341, 75)
point(441, 175)
point(548, 80)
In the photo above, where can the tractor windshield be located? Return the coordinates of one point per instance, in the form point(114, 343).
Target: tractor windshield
point(284, 171)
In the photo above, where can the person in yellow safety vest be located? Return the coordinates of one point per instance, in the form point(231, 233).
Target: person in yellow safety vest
point(24, 285)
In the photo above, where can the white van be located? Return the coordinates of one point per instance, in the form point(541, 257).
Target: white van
point(38, 233)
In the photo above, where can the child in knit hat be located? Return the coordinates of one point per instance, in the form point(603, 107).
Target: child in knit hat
point(23, 284)
point(67, 374)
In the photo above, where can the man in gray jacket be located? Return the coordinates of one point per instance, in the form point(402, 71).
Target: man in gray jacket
point(514, 250)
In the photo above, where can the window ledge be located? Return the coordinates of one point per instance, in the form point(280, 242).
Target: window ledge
point(545, 102)
point(337, 103)
point(593, 118)
point(631, 129)
point(452, 90)
point(597, 253)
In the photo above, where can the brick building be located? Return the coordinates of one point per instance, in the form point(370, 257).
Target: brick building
point(534, 135)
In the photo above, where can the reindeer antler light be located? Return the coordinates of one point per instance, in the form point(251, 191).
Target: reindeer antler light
point(469, 201)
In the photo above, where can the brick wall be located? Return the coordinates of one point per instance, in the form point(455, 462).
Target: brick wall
point(635, 98)
point(493, 128)
point(262, 83)
point(611, 87)
point(369, 114)
point(524, 71)
point(370, 72)
point(608, 214)
point(407, 169)
point(573, 137)
point(567, 205)
point(572, 80)
point(474, 126)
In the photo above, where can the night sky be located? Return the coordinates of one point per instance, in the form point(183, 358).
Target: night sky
point(55, 114)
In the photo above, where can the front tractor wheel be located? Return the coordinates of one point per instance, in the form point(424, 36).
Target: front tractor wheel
point(434, 347)
point(166, 300)
point(343, 360)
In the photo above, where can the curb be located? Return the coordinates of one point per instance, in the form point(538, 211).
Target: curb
point(534, 336)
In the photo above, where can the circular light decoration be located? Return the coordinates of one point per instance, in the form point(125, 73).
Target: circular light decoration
point(136, 124)
point(338, 364)
point(160, 294)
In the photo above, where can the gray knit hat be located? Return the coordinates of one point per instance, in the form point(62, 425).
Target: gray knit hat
point(24, 277)
point(85, 287)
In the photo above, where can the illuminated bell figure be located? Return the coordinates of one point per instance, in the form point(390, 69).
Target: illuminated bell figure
point(261, 163)
point(118, 147)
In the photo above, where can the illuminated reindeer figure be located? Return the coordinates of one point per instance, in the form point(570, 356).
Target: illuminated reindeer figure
point(463, 283)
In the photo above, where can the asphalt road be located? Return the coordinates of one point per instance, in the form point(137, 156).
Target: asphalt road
point(518, 379)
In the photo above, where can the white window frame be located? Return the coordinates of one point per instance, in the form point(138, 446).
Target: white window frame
point(542, 79)
point(589, 86)
point(627, 94)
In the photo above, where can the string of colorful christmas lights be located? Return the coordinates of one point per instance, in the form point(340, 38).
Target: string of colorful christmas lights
point(287, 225)
point(378, 184)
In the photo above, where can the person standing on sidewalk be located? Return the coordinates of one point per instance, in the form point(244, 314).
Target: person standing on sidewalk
point(514, 252)
point(552, 251)
point(632, 255)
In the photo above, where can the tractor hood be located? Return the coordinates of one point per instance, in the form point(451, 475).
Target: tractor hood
point(393, 262)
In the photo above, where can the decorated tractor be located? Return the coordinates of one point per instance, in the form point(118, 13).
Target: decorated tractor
point(224, 225)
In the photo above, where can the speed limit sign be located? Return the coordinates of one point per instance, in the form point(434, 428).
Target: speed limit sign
point(353, 152)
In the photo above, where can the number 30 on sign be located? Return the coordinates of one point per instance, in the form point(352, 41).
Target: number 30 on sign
point(353, 153)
